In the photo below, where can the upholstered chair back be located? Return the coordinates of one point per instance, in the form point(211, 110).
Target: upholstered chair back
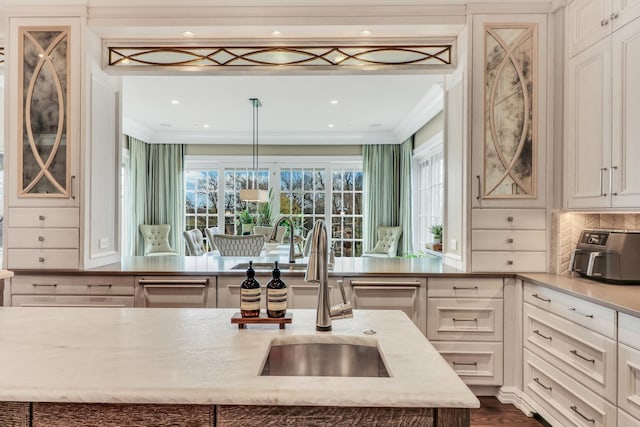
point(210, 232)
point(156, 239)
point(387, 244)
point(250, 245)
point(194, 242)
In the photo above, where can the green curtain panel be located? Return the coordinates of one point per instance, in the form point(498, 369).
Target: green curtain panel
point(157, 193)
point(387, 178)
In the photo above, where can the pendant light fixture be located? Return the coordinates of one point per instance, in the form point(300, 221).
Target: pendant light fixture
point(254, 194)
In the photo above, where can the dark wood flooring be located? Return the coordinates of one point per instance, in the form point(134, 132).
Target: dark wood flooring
point(493, 413)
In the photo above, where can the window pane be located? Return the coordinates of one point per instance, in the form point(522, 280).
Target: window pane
point(347, 212)
point(319, 210)
point(308, 180)
point(319, 181)
point(296, 179)
point(358, 180)
point(337, 181)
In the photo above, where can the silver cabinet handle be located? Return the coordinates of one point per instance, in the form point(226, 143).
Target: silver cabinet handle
point(510, 240)
point(44, 284)
point(40, 259)
point(614, 15)
point(465, 364)
point(509, 262)
point(537, 332)
point(465, 288)
point(98, 285)
point(604, 22)
point(41, 217)
point(464, 320)
point(602, 171)
point(479, 187)
point(575, 409)
point(540, 298)
point(611, 180)
point(40, 238)
point(537, 380)
point(509, 219)
point(575, 353)
point(581, 314)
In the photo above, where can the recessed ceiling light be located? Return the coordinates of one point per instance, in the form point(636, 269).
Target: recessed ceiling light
point(188, 34)
point(333, 101)
point(330, 125)
point(365, 33)
point(276, 33)
point(175, 102)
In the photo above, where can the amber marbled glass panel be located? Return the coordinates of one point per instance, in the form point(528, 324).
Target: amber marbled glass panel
point(44, 94)
point(510, 111)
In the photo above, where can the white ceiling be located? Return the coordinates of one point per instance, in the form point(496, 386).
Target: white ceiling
point(295, 109)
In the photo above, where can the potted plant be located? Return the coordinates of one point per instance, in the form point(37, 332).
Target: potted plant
point(246, 221)
point(436, 230)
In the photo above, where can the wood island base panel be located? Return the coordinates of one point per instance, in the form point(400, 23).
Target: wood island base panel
point(42, 414)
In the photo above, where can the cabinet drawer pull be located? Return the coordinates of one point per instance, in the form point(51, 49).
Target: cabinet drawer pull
point(590, 316)
point(41, 217)
point(40, 238)
point(73, 187)
point(537, 332)
point(44, 284)
point(509, 219)
point(546, 387)
point(510, 262)
point(602, 171)
point(465, 288)
point(614, 15)
point(611, 180)
point(99, 285)
point(173, 281)
point(464, 320)
point(465, 364)
point(509, 240)
point(575, 353)
point(575, 409)
point(479, 187)
point(389, 284)
point(40, 259)
point(604, 22)
point(540, 298)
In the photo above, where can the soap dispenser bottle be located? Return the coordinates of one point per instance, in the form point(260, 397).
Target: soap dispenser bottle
point(276, 295)
point(250, 294)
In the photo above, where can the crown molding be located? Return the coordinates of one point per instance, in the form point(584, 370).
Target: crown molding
point(136, 130)
point(430, 105)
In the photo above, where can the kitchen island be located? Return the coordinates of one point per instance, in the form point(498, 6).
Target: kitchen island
point(62, 366)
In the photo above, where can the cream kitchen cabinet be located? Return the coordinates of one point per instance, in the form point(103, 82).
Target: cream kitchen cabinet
point(589, 21)
point(628, 370)
point(176, 291)
point(570, 358)
point(465, 324)
point(58, 290)
point(601, 125)
point(508, 240)
point(390, 293)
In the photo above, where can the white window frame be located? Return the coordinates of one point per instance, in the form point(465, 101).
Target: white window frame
point(423, 220)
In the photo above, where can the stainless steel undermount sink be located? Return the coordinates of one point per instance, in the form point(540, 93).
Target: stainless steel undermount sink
point(268, 266)
point(331, 356)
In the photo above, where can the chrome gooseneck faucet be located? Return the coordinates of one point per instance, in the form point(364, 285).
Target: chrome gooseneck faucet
point(272, 238)
point(318, 272)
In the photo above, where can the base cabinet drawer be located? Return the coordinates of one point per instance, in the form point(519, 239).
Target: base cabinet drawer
point(44, 217)
point(504, 219)
point(587, 357)
point(475, 363)
point(565, 399)
point(49, 259)
point(509, 240)
point(464, 319)
point(55, 284)
point(593, 316)
point(71, 301)
point(465, 288)
point(626, 420)
point(629, 380)
point(175, 292)
point(44, 238)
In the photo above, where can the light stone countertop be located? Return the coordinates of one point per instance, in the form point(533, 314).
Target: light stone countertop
point(196, 356)
point(211, 264)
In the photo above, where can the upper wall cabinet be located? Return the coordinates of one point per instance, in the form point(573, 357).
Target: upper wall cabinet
point(43, 99)
point(589, 21)
point(509, 110)
point(602, 129)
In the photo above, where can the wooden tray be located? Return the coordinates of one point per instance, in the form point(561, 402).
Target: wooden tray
point(263, 319)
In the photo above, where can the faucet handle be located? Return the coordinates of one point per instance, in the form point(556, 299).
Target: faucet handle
point(341, 311)
point(344, 296)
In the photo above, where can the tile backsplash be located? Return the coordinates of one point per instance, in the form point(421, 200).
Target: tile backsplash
point(566, 228)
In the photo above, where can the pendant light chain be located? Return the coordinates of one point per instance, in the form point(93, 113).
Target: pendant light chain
point(256, 104)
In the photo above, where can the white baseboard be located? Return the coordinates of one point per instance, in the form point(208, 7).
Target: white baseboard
point(513, 396)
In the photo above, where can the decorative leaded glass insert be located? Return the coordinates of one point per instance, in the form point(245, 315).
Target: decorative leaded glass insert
point(510, 118)
point(44, 95)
